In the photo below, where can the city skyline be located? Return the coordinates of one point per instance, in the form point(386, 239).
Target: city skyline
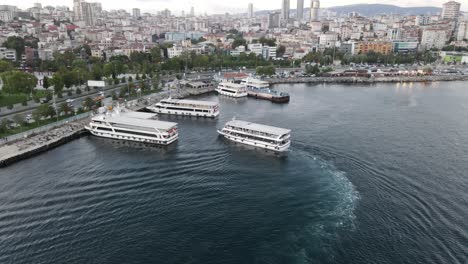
point(214, 7)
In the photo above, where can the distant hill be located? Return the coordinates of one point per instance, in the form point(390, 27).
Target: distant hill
point(376, 9)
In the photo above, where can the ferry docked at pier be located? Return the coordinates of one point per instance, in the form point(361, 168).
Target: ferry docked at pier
point(231, 89)
point(186, 108)
point(261, 90)
point(257, 135)
point(133, 126)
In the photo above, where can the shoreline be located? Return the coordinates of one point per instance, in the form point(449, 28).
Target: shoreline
point(351, 80)
point(34, 145)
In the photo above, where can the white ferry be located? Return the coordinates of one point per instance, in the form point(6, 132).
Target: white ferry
point(231, 89)
point(133, 126)
point(255, 83)
point(186, 107)
point(257, 135)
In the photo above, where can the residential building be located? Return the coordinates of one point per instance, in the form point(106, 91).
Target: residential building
point(7, 54)
point(250, 10)
point(364, 47)
point(300, 10)
point(462, 32)
point(433, 38)
point(328, 40)
point(285, 9)
point(274, 20)
point(268, 52)
point(256, 48)
point(136, 12)
point(314, 10)
point(450, 10)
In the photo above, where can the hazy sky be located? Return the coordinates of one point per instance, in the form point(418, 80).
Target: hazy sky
point(219, 6)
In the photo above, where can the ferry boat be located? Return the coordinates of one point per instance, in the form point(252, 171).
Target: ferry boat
point(133, 126)
point(257, 135)
point(186, 107)
point(261, 90)
point(231, 89)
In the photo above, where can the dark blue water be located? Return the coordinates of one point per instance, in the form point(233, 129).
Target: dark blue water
point(376, 174)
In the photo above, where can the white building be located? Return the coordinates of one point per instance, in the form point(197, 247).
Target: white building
point(256, 48)
point(462, 32)
point(8, 54)
point(314, 10)
point(433, 38)
point(250, 11)
point(6, 15)
point(136, 12)
point(328, 40)
point(269, 52)
point(285, 10)
point(450, 10)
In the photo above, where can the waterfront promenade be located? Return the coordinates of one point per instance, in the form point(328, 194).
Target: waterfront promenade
point(394, 79)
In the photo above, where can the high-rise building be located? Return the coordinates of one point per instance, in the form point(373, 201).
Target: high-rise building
point(274, 20)
point(192, 11)
point(450, 10)
point(38, 5)
point(300, 10)
point(136, 12)
point(86, 12)
point(433, 38)
point(314, 10)
point(285, 10)
point(462, 32)
point(251, 12)
point(77, 10)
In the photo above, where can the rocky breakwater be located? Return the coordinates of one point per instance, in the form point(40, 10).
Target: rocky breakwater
point(28, 147)
point(393, 79)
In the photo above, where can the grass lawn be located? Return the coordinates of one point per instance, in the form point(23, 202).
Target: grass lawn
point(34, 125)
point(6, 99)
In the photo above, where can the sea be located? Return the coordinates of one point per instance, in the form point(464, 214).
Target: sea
point(376, 173)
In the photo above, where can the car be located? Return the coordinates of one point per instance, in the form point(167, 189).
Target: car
point(69, 101)
point(44, 101)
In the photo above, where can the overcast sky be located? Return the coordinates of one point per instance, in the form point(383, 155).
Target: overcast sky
point(219, 6)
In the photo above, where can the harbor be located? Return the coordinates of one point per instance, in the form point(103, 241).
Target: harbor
point(350, 144)
point(32, 144)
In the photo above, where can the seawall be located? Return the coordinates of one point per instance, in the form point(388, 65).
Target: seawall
point(395, 79)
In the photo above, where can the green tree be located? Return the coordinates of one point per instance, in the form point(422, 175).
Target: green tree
point(5, 66)
point(16, 43)
point(18, 119)
point(65, 108)
point(45, 82)
point(88, 103)
point(18, 82)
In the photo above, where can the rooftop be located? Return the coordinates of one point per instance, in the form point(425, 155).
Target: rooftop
point(259, 127)
point(144, 123)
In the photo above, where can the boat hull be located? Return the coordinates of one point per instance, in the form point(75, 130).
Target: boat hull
point(253, 143)
point(182, 112)
point(236, 95)
point(129, 137)
point(269, 97)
